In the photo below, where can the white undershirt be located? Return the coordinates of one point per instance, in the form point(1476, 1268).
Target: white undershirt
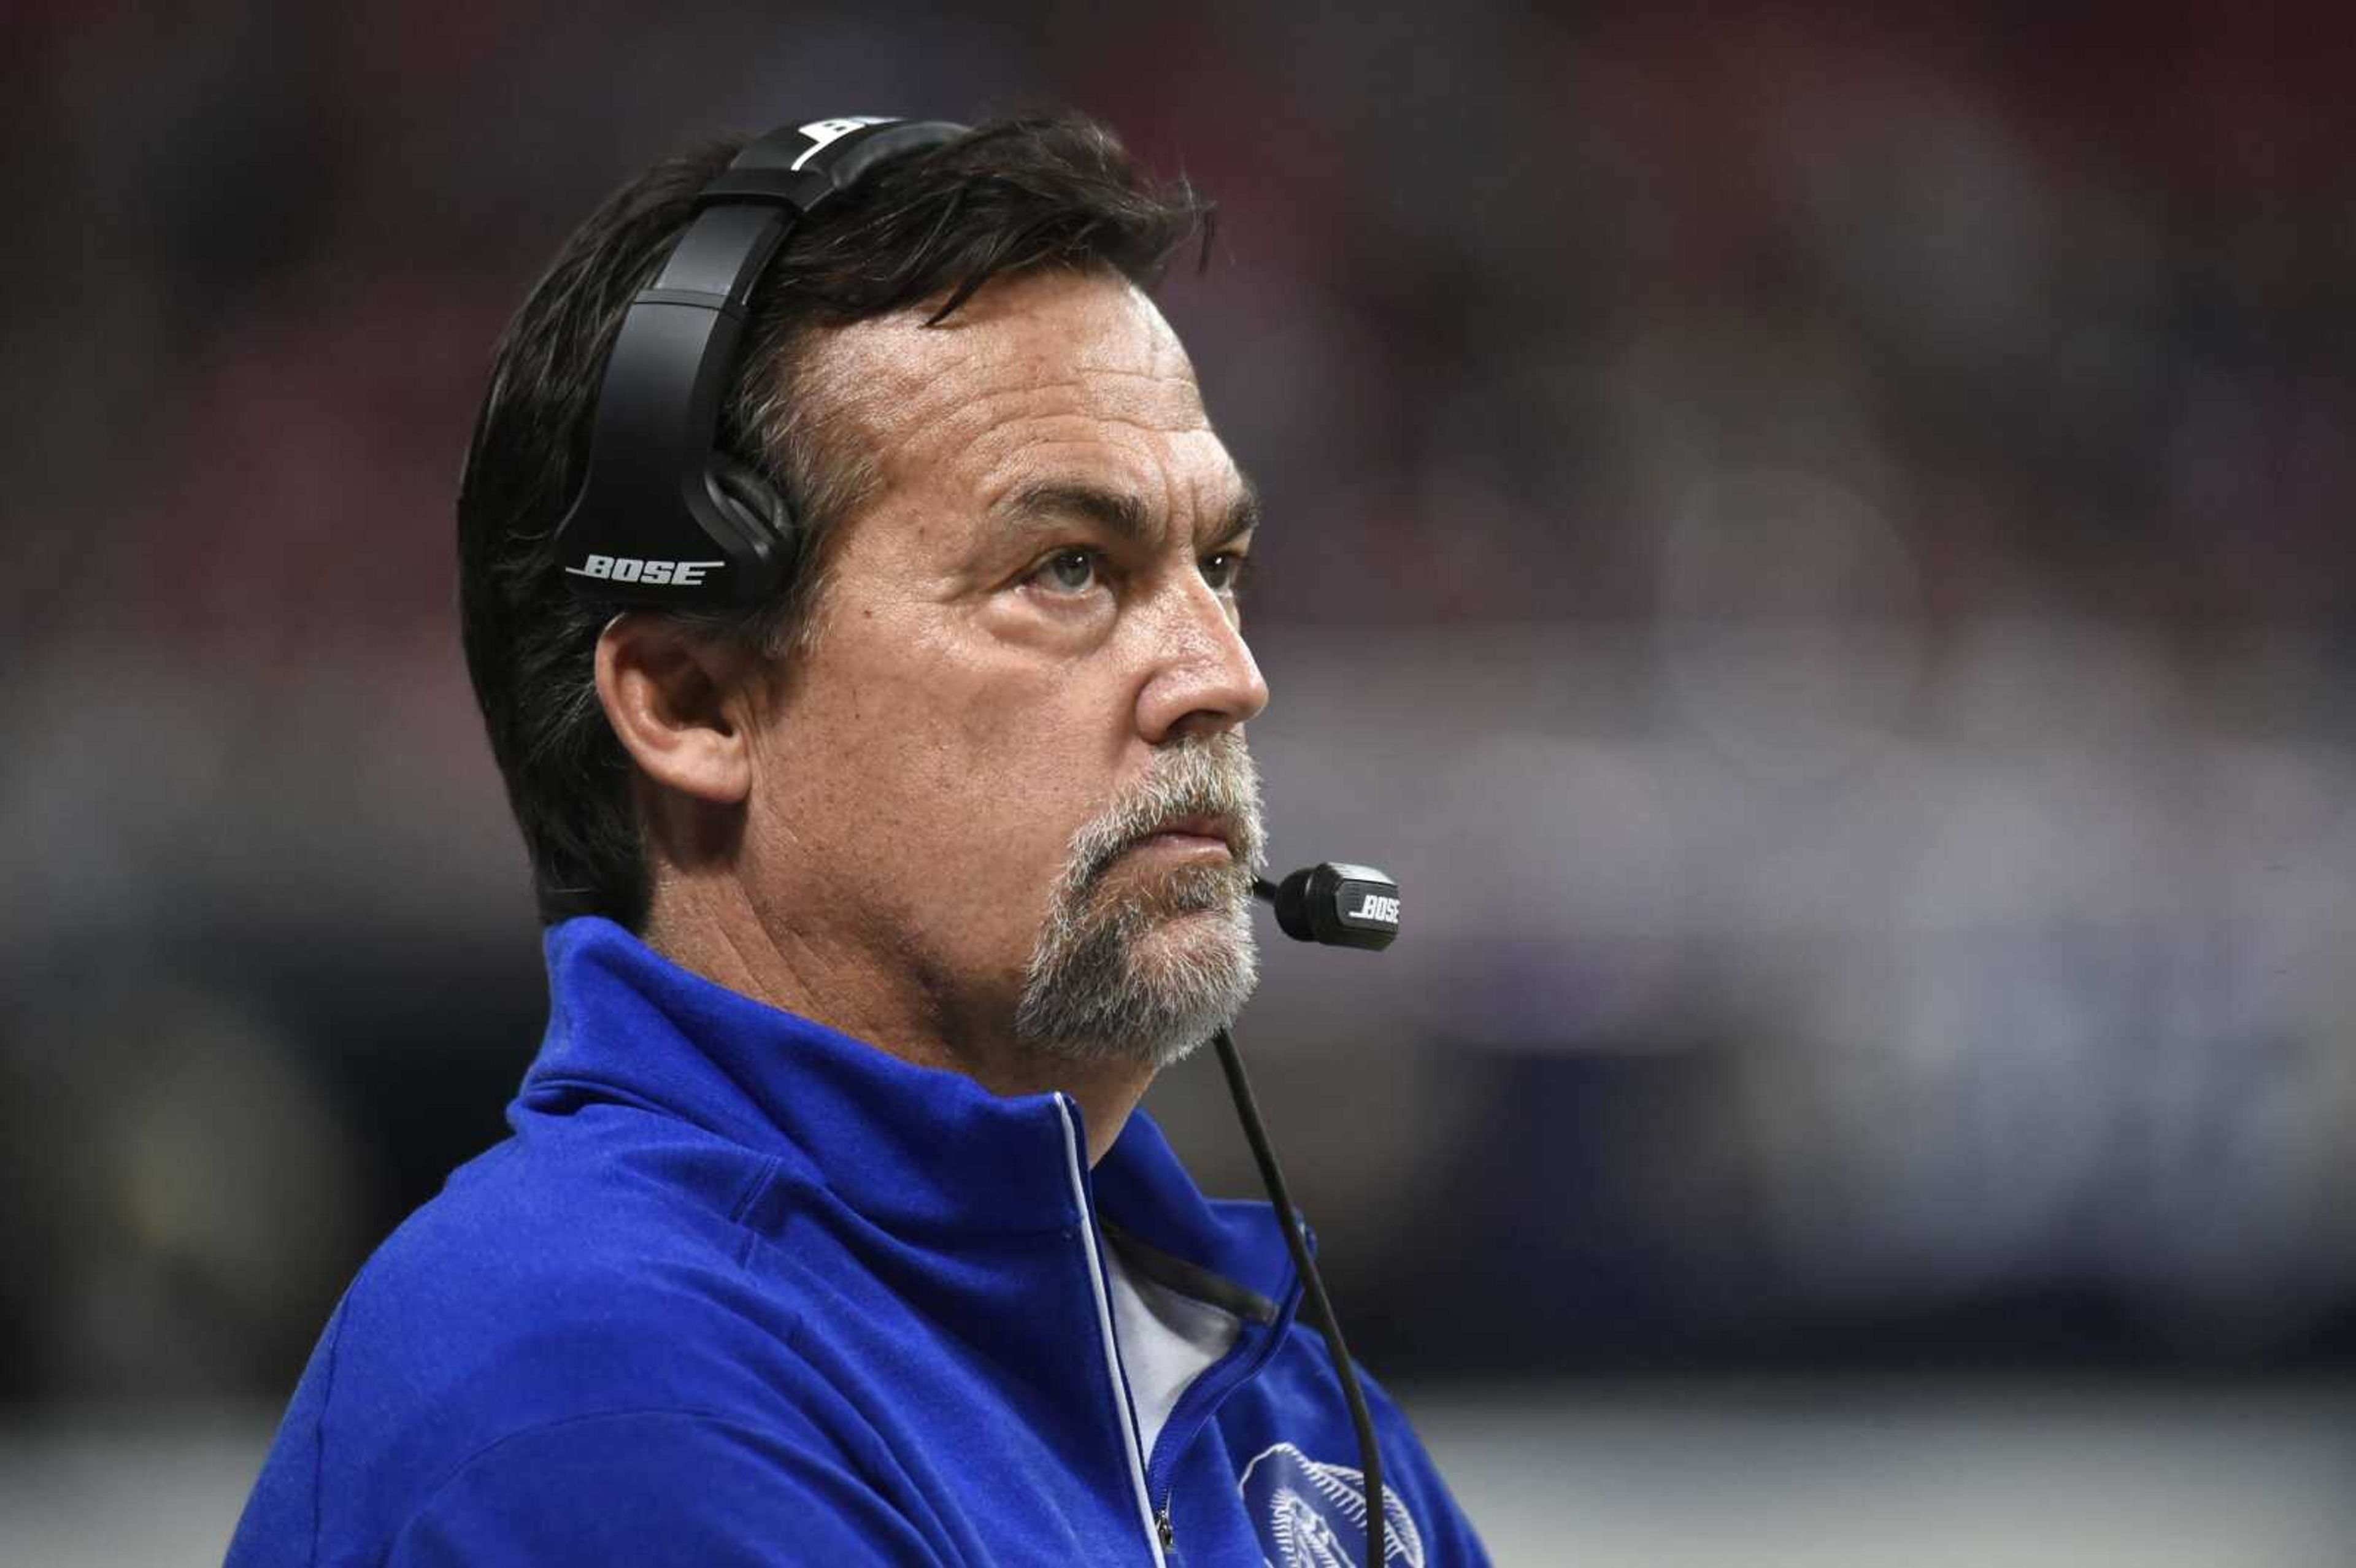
point(1167, 1340)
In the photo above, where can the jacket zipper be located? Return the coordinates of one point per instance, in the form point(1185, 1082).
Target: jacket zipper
point(1159, 1532)
point(1226, 1377)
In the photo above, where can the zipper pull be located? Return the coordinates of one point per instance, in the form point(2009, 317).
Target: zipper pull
point(1168, 1531)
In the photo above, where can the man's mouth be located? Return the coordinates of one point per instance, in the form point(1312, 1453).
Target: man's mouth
point(1205, 838)
point(1205, 829)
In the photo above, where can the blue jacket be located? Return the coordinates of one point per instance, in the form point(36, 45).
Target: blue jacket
point(742, 1289)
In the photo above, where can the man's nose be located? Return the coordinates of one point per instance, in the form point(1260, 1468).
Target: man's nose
point(1204, 678)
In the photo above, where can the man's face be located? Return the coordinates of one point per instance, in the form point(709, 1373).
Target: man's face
point(1007, 775)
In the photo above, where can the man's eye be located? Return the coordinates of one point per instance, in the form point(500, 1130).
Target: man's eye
point(1070, 570)
point(1225, 571)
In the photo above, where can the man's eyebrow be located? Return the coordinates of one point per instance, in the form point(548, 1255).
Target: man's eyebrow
point(1115, 511)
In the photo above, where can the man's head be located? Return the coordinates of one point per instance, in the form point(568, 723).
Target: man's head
point(945, 763)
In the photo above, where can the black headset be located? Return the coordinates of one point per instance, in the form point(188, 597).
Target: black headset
point(664, 516)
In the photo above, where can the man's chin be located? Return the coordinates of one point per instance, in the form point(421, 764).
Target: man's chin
point(1154, 982)
point(1177, 930)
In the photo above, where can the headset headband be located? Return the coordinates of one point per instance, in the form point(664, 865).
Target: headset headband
point(663, 516)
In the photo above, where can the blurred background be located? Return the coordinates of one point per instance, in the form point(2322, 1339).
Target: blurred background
point(1817, 546)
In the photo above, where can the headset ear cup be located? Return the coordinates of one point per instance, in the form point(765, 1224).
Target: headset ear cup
point(756, 507)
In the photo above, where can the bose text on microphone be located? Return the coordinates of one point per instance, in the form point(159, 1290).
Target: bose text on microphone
point(1337, 906)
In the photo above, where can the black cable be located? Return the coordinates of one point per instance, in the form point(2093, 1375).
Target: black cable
point(1321, 1308)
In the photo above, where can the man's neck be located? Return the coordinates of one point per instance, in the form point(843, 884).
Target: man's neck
point(725, 941)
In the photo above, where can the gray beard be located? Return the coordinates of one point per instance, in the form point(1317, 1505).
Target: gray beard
point(1093, 994)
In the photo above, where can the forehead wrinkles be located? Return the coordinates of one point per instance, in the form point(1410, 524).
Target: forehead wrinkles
point(1185, 482)
point(1049, 359)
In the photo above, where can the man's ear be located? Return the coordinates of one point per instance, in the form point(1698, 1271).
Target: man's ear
point(673, 700)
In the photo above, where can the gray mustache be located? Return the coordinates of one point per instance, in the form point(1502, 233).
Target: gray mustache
point(1214, 778)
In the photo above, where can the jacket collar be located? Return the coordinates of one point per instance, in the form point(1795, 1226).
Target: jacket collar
point(915, 1150)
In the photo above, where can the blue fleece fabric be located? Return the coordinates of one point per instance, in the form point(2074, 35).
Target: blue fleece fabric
point(742, 1289)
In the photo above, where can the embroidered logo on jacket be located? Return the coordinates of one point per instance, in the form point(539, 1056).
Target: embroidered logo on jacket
point(1313, 1515)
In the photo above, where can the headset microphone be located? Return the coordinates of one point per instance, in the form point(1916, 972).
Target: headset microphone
point(1335, 906)
point(1338, 905)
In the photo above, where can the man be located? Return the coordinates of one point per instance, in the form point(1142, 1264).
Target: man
point(829, 1231)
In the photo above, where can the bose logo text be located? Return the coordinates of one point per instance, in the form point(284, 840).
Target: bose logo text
point(630, 568)
point(1375, 906)
point(822, 131)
